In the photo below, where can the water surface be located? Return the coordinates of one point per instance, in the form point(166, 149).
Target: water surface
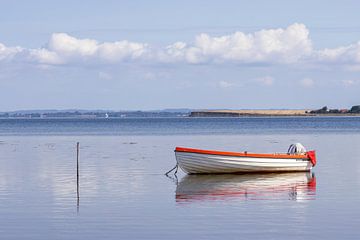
point(125, 195)
point(179, 126)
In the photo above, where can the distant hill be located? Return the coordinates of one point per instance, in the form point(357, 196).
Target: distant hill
point(355, 110)
point(239, 113)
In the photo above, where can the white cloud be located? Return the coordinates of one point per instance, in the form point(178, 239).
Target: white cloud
point(7, 53)
point(44, 56)
point(66, 45)
point(288, 45)
point(350, 82)
point(172, 53)
point(307, 82)
point(274, 45)
point(105, 76)
point(225, 84)
point(265, 81)
point(345, 54)
point(152, 75)
point(63, 48)
point(352, 67)
point(149, 76)
point(121, 50)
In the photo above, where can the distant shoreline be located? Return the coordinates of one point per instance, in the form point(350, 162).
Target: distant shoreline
point(179, 113)
point(265, 113)
point(189, 116)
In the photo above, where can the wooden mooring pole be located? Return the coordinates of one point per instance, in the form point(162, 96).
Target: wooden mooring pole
point(77, 173)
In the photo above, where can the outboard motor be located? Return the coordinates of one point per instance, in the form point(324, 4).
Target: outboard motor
point(296, 148)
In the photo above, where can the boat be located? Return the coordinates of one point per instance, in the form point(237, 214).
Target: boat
point(298, 186)
point(194, 161)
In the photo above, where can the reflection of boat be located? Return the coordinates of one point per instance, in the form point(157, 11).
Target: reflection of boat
point(294, 186)
point(208, 161)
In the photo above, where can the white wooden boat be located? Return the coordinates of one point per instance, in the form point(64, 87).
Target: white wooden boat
point(193, 161)
point(205, 187)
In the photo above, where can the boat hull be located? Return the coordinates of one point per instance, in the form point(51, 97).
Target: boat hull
point(194, 162)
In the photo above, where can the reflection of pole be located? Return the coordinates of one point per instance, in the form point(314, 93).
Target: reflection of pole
point(77, 173)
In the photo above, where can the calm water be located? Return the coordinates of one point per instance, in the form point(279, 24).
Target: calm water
point(178, 126)
point(124, 194)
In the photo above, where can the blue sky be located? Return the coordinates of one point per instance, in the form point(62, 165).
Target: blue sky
point(179, 54)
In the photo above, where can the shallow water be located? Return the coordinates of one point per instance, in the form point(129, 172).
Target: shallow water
point(125, 195)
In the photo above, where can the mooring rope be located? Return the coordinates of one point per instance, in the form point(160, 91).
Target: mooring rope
point(176, 167)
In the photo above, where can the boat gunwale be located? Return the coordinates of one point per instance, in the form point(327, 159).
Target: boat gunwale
point(242, 154)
